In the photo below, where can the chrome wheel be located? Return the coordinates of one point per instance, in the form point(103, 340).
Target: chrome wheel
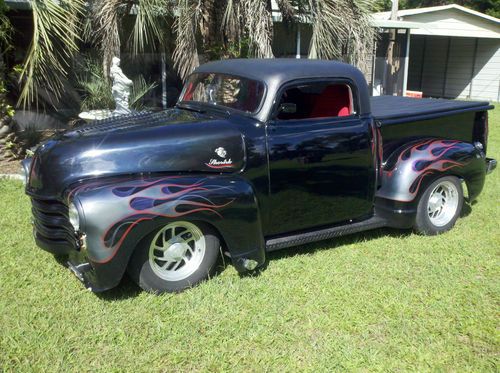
point(443, 203)
point(177, 251)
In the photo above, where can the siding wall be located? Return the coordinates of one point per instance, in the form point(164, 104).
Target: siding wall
point(486, 83)
point(445, 66)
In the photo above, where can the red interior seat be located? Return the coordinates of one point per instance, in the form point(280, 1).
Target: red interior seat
point(188, 96)
point(335, 101)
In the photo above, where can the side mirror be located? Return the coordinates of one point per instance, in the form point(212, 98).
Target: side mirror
point(288, 108)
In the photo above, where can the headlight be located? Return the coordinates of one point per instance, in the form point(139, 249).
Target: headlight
point(74, 217)
point(26, 167)
point(24, 175)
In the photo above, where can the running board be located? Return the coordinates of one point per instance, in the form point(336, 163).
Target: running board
point(324, 234)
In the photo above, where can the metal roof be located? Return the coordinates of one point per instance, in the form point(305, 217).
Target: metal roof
point(447, 20)
point(410, 12)
point(389, 23)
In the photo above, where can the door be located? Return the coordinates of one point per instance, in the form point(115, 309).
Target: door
point(320, 158)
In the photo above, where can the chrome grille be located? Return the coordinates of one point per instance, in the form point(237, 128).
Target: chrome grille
point(51, 222)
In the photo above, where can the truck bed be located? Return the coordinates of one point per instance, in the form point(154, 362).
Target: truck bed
point(395, 109)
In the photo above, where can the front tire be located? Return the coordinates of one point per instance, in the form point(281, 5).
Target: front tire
point(175, 257)
point(440, 206)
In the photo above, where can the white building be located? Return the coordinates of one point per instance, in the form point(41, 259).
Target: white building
point(454, 52)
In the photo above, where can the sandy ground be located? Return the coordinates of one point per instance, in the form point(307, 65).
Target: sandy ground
point(10, 167)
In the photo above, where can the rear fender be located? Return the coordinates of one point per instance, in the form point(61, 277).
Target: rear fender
point(411, 168)
point(117, 213)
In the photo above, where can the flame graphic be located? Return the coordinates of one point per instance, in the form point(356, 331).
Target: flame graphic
point(161, 198)
point(425, 158)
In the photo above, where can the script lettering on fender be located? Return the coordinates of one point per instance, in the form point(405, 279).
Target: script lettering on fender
point(214, 163)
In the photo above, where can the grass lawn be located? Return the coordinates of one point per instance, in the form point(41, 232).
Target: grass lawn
point(382, 300)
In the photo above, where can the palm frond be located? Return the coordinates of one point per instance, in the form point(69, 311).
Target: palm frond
point(106, 17)
point(95, 88)
point(185, 55)
point(258, 25)
point(329, 28)
point(148, 26)
point(342, 30)
point(5, 28)
point(230, 25)
point(287, 9)
point(140, 88)
point(362, 35)
point(54, 42)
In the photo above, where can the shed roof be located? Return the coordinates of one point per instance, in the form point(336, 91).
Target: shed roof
point(409, 12)
point(448, 20)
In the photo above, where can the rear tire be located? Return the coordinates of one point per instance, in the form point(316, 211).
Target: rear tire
point(439, 206)
point(175, 257)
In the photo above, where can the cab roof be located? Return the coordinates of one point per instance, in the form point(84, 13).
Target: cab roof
point(274, 72)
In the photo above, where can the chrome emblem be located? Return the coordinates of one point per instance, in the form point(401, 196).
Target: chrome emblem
point(221, 152)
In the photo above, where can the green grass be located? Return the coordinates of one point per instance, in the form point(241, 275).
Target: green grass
point(378, 301)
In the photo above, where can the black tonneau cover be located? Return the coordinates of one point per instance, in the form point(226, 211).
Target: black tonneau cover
point(395, 109)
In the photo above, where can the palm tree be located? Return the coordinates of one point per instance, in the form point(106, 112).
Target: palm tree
point(340, 30)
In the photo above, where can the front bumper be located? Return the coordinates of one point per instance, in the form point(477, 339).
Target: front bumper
point(491, 164)
point(54, 233)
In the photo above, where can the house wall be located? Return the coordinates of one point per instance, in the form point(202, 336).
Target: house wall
point(486, 82)
point(455, 67)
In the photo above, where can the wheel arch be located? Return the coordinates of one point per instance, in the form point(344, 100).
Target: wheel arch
point(410, 169)
point(121, 213)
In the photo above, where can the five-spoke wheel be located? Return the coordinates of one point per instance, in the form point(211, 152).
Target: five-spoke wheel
point(175, 257)
point(439, 206)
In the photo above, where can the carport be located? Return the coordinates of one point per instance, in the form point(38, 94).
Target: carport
point(454, 53)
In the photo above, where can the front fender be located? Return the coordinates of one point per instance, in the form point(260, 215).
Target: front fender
point(412, 167)
point(117, 213)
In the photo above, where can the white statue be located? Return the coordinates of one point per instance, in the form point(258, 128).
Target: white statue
point(120, 91)
point(121, 87)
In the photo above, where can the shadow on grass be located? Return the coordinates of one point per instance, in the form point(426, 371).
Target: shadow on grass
point(337, 242)
point(330, 244)
point(466, 209)
point(128, 289)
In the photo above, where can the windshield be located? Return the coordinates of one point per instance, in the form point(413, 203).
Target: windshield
point(225, 90)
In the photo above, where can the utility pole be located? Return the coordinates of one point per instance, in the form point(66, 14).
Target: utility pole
point(392, 66)
point(394, 10)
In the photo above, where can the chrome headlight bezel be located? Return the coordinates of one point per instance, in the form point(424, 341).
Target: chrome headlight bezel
point(74, 216)
point(25, 170)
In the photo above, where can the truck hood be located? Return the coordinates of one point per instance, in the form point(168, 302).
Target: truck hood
point(171, 141)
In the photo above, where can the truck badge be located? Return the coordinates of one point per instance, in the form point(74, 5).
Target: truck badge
point(221, 152)
point(215, 163)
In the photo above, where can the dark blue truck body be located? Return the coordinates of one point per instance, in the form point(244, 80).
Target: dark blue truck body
point(280, 183)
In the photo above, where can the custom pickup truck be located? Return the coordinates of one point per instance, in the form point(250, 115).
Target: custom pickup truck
point(257, 155)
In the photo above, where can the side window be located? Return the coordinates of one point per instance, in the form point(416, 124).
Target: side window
point(316, 100)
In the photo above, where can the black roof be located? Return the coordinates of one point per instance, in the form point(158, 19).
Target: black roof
point(275, 72)
point(283, 69)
